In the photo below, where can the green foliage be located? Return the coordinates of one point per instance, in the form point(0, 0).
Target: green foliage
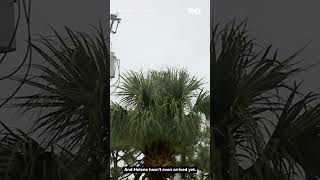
point(165, 106)
point(71, 91)
point(21, 157)
point(72, 84)
point(160, 106)
point(246, 99)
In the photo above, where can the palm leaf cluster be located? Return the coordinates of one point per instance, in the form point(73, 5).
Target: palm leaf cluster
point(23, 158)
point(72, 87)
point(159, 114)
point(71, 93)
point(158, 108)
point(257, 133)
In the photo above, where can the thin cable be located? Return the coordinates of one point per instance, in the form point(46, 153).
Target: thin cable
point(14, 34)
point(27, 12)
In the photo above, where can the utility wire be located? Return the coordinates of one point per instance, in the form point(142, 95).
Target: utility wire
point(14, 33)
point(26, 4)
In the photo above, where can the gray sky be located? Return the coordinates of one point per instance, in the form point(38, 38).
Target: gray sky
point(157, 34)
point(287, 25)
point(153, 34)
point(77, 14)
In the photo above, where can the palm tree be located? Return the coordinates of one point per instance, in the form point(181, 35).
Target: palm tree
point(72, 98)
point(72, 86)
point(159, 114)
point(248, 105)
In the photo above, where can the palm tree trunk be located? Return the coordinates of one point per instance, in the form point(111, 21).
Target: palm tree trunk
point(225, 165)
point(183, 162)
point(158, 155)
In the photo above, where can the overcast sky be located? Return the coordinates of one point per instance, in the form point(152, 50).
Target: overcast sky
point(152, 35)
point(77, 14)
point(288, 25)
point(158, 34)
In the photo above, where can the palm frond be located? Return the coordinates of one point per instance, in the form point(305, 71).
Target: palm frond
point(157, 106)
point(72, 88)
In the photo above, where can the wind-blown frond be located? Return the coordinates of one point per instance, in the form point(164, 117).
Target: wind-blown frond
point(21, 157)
point(246, 81)
point(72, 91)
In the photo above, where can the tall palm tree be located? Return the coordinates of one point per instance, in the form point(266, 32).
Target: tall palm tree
point(72, 87)
point(248, 105)
point(159, 114)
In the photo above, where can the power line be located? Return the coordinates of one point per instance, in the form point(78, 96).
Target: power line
point(26, 7)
